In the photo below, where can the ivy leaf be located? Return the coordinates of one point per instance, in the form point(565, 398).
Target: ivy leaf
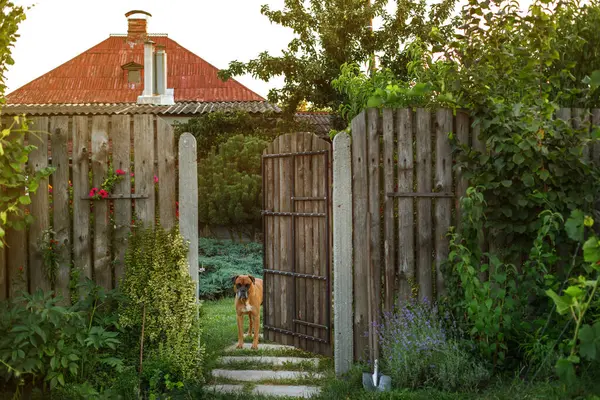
point(591, 250)
point(589, 338)
point(507, 183)
point(544, 174)
point(25, 200)
point(563, 303)
point(574, 291)
point(574, 226)
point(528, 179)
point(565, 371)
point(518, 158)
point(595, 79)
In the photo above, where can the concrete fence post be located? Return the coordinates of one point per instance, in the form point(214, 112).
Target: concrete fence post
point(188, 200)
point(342, 254)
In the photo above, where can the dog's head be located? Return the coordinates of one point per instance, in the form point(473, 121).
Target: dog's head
point(242, 285)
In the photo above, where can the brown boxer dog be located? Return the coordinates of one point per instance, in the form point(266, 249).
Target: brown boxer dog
point(248, 299)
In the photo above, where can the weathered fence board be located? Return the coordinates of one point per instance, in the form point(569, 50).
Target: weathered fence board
point(462, 135)
point(188, 200)
point(82, 254)
point(285, 230)
point(59, 134)
point(16, 259)
point(3, 275)
point(143, 137)
point(389, 248)
point(269, 233)
point(374, 227)
point(406, 243)
point(102, 259)
point(40, 206)
point(581, 120)
point(443, 183)
point(309, 230)
point(165, 138)
point(121, 159)
point(301, 254)
point(360, 240)
point(596, 146)
point(424, 234)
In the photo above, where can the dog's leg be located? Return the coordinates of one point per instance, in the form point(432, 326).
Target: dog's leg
point(250, 324)
point(240, 323)
point(256, 321)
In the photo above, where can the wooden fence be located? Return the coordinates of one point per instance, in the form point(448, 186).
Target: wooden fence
point(405, 195)
point(92, 234)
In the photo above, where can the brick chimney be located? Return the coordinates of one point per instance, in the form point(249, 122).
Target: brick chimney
point(137, 31)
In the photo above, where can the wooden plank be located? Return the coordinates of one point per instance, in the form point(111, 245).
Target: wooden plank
point(143, 143)
point(360, 208)
point(389, 247)
point(318, 256)
point(406, 240)
point(596, 145)
point(375, 229)
point(581, 120)
point(462, 135)
point(300, 256)
point(188, 199)
point(40, 205)
point(276, 279)
point(443, 183)
point(321, 241)
point(564, 114)
point(424, 237)
point(3, 275)
point(15, 240)
point(59, 129)
point(479, 145)
point(342, 253)
point(102, 256)
point(309, 233)
point(165, 138)
point(82, 251)
point(285, 288)
point(268, 188)
point(121, 160)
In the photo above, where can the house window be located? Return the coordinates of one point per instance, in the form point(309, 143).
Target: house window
point(134, 76)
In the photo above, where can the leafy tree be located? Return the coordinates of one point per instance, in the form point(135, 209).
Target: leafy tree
point(230, 183)
point(16, 183)
point(10, 18)
point(331, 33)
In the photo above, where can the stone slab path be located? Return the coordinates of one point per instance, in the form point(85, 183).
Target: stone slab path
point(264, 381)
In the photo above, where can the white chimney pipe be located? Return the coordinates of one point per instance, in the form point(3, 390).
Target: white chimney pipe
point(161, 71)
point(148, 68)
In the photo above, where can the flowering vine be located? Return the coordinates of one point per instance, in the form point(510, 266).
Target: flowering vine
point(114, 176)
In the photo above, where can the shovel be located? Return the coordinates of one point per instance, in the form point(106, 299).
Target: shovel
point(376, 381)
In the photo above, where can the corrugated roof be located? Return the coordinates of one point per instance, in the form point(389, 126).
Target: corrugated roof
point(96, 76)
point(181, 108)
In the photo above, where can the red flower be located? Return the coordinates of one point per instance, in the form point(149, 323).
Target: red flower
point(155, 179)
point(103, 193)
point(120, 172)
point(20, 268)
point(132, 174)
point(93, 192)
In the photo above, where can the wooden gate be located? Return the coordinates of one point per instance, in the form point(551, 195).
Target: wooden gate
point(297, 239)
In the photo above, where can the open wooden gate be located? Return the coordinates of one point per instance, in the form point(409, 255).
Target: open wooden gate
point(297, 241)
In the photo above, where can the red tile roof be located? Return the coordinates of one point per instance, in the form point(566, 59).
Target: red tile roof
point(96, 76)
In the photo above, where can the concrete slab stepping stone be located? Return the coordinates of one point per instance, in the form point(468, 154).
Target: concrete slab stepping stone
point(303, 392)
point(263, 346)
point(259, 375)
point(269, 360)
point(224, 388)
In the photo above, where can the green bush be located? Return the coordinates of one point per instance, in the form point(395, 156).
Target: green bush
point(47, 345)
point(220, 260)
point(160, 296)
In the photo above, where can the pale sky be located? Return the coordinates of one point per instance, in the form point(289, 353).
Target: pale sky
point(219, 31)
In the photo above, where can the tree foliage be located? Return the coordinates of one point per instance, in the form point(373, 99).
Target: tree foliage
point(11, 16)
point(328, 34)
point(230, 183)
